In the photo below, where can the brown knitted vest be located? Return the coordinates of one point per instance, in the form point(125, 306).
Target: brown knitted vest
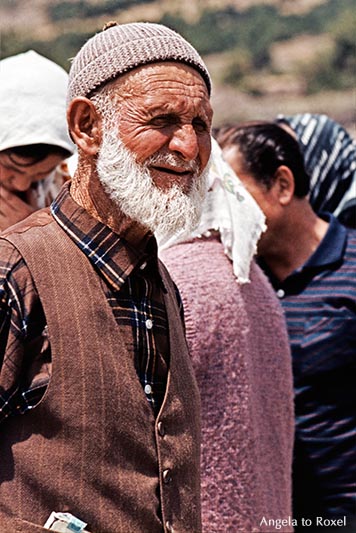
point(92, 446)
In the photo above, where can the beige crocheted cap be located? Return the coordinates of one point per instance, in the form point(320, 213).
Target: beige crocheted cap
point(123, 47)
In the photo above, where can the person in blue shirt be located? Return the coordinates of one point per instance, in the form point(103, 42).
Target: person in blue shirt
point(310, 260)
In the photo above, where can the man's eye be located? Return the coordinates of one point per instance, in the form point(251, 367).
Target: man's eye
point(162, 120)
point(200, 125)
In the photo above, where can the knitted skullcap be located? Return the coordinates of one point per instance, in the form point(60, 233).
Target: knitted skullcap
point(121, 48)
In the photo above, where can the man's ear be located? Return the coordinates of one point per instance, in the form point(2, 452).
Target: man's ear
point(284, 184)
point(84, 124)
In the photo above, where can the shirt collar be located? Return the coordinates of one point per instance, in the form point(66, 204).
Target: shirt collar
point(109, 253)
point(331, 247)
point(330, 251)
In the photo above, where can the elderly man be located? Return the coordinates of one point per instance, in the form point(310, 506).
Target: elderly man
point(99, 404)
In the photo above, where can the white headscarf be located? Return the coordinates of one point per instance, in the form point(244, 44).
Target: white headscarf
point(33, 102)
point(231, 210)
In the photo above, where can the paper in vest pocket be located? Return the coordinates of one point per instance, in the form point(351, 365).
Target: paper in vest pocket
point(65, 523)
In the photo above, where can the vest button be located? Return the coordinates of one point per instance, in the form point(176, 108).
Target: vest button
point(161, 429)
point(169, 527)
point(167, 476)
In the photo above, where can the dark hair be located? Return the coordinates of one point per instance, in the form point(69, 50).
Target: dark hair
point(265, 146)
point(34, 153)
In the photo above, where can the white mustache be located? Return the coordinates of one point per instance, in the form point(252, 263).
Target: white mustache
point(173, 160)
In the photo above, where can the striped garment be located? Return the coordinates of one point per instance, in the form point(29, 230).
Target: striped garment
point(132, 285)
point(319, 300)
point(330, 160)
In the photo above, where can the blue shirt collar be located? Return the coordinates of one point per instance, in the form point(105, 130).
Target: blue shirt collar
point(329, 252)
point(332, 246)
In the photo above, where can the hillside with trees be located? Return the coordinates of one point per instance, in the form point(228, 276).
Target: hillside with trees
point(265, 57)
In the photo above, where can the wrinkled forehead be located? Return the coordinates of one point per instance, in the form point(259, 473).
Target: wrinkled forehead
point(155, 76)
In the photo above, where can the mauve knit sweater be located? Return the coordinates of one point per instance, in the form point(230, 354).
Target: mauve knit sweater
point(240, 351)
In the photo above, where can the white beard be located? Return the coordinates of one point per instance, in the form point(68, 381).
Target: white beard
point(130, 186)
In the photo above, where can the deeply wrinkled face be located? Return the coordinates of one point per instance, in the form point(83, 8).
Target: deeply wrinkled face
point(155, 152)
point(165, 109)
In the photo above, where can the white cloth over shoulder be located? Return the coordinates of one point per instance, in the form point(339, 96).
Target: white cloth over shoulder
point(33, 102)
point(231, 210)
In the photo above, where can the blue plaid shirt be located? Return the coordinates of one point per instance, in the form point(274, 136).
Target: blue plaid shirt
point(132, 285)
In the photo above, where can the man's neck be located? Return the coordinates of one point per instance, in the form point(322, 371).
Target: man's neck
point(87, 191)
point(296, 241)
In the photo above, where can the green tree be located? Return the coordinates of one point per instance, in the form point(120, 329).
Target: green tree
point(336, 69)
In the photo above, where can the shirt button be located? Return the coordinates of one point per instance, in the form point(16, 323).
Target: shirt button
point(149, 323)
point(169, 527)
point(281, 293)
point(167, 476)
point(148, 389)
point(161, 429)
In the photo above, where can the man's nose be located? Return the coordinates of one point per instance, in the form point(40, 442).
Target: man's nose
point(185, 142)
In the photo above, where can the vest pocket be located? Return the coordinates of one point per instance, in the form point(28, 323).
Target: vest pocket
point(16, 525)
point(22, 526)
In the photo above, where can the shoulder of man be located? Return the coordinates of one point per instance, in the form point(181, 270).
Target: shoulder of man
point(11, 260)
point(39, 218)
point(350, 251)
point(351, 232)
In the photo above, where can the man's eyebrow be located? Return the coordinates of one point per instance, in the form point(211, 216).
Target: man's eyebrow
point(165, 115)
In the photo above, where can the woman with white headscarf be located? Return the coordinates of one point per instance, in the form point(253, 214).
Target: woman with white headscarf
point(34, 141)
